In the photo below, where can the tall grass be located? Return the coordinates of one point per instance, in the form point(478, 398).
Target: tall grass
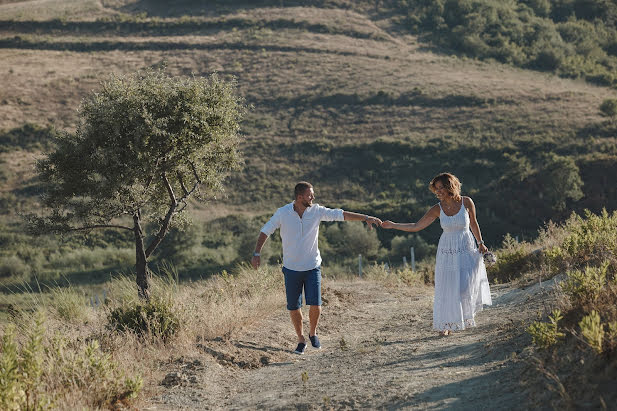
point(69, 354)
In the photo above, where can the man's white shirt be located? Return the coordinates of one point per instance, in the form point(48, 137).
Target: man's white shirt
point(299, 235)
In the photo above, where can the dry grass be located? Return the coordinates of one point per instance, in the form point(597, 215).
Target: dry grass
point(209, 309)
point(51, 9)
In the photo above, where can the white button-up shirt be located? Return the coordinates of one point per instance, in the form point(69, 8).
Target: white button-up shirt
point(299, 235)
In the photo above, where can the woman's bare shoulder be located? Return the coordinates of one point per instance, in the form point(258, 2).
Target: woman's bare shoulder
point(434, 210)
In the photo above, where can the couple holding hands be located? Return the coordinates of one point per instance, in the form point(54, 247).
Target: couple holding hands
point(461, 284)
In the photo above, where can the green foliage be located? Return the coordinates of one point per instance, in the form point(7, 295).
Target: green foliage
point(589, 241)
point(11, 393)
point(608, 108)
point(545, 335)
point(349, 240)
point(37, 373)
point(570, 38)
point(29, 136)
point(584, 287)
point(139, 137)
point(561, 179)
point(593, 331)
point(153, 318)
point(22, 370)
point(401, 246)
point(514, 260)
point(93, 367)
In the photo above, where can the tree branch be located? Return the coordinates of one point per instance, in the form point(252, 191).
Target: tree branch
point(90, 227)
point(195, 172)
point(165, 226)
point(170, 190)
point(181, 180)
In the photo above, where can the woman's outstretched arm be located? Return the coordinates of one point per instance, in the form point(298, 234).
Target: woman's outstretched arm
point(473, 223)
point(424, 222)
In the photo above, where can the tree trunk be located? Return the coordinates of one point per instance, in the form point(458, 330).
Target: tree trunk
point(141, 262)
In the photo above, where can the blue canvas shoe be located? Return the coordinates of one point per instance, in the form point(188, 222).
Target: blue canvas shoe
point(300, 348)
point(315, 341)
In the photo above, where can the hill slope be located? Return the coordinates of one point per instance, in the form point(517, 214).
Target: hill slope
point(340, 97)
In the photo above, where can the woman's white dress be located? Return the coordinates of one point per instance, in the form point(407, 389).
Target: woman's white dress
point(461, 285)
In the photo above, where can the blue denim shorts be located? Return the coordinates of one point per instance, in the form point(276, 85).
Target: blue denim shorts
point(295, 281)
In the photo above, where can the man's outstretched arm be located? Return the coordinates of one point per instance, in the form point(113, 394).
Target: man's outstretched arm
point(256, 260)
point(369, 220)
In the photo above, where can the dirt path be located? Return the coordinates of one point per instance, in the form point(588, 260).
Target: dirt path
point(379, 351)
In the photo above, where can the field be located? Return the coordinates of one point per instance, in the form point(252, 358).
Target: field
point(356, 97)
point(340, 96)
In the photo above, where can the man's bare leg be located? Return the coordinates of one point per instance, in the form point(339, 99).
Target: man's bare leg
point(296, 320)
point(314, 313)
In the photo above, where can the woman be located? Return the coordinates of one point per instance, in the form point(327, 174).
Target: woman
point(461, 285)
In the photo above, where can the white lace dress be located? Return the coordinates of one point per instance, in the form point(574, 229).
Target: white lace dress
point(461, 285)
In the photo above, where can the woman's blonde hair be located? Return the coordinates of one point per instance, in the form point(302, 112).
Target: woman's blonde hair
point(450, 183)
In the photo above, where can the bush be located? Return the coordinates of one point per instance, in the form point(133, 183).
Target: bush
point(27, 137)
point(545, 335)
point(351, 239)
point(551, 36)
point(584, 287)
point(592, 331)
point(513, 261)
point(38, 373)
point(608, 108)
point(401, 246)
point(587, 241)
point(152, 318)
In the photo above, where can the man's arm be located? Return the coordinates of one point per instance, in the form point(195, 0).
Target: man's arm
point(369, 220)
point(267, 230)
point(256, 260)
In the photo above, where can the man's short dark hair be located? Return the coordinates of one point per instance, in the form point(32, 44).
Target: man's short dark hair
point(301, 187)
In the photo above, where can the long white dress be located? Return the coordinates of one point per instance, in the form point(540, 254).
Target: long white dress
point(461, 285)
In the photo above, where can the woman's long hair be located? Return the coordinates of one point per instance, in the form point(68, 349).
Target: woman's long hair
point(450, 183)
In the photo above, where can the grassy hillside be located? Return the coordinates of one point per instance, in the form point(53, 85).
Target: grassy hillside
point(345, 94)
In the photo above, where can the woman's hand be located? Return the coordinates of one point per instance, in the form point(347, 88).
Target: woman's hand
point(482, 248)
point(372, 220)
point(387, 224)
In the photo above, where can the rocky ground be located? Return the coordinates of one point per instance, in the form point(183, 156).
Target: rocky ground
point(379, 351)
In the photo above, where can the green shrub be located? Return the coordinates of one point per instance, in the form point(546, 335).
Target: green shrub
point(38, 373)
point(513, 260)
point(588, 241)
point(401, 246)
point(27, 136)
point(593, 331)
point(11, 393)
point(349, 240)
point(608, 108)
point(545, 335)
point(560, 37)
point(584, 287)
point(153, 318)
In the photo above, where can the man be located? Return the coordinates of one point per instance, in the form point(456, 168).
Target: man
point(299, 224)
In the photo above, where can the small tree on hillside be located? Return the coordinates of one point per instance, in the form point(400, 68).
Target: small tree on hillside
point(608, 108)
point(145, 144)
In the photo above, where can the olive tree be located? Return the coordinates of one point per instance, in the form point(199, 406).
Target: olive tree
point(145, 144)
